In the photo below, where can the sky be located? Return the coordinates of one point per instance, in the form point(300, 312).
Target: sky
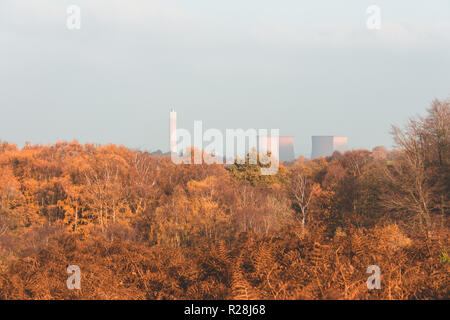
point(304, 67)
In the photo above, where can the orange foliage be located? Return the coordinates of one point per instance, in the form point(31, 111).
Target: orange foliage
point(141, 227)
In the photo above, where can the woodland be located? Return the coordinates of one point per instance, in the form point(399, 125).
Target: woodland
point(141, 227)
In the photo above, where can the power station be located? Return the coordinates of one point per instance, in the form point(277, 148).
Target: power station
point(173, 131)
point(285, 147)
point(324, 146)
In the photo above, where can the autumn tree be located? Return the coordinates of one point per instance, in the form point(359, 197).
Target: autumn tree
point(304, 189)
point(104, 182)
point(423, 146)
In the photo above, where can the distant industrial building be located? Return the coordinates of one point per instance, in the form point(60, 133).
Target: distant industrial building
point(173, 131)
point(285, 145)
point(324, 146)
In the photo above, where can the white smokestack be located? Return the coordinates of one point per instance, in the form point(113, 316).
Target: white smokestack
point(173, 131)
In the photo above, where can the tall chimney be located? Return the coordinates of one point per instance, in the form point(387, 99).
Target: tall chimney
point(173, 131)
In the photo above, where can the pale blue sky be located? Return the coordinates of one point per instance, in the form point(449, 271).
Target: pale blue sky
point(305, 67)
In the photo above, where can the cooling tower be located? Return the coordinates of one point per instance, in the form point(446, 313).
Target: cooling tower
point(173, 131)
point(324, 146)
point(286, 147)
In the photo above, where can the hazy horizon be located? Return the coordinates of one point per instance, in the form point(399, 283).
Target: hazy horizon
point(305, 68)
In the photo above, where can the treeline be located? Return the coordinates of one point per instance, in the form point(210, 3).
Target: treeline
point(141, 227)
